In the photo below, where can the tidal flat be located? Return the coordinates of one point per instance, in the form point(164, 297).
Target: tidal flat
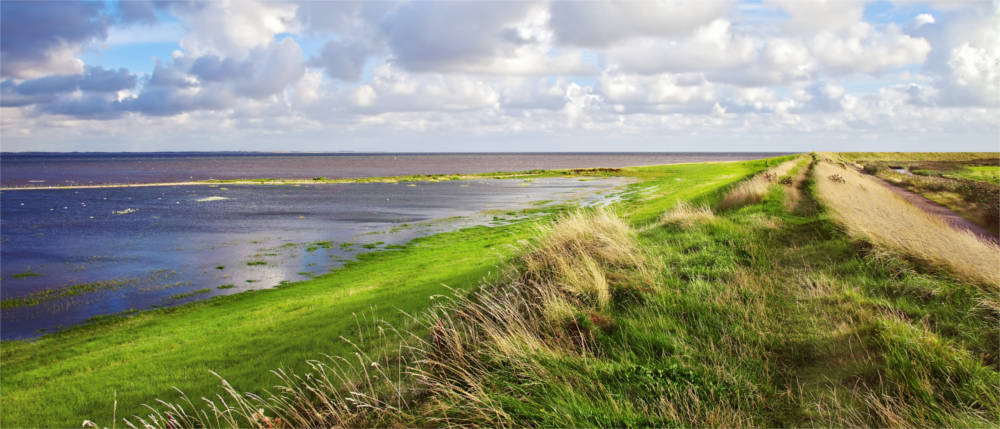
point(71, 255)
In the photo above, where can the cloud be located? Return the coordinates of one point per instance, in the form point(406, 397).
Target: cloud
point(812, 16)
point(975, 74)
point(94, 79)
point(394, 90)
point(604, 71)
point(211, 82)
point(342, 59)
point(38, 38)
point(429, 36)
point(711, 47)
point(137, 11)
point(233, 29)
point(865, 50)
point(602, 24)
point(628, 93)
point(923, 19)
point(966, 57)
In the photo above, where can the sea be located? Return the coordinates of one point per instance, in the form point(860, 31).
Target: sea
point(72, 256)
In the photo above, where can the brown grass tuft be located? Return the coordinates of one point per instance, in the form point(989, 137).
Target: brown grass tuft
point(686, 215)
point(753, 190)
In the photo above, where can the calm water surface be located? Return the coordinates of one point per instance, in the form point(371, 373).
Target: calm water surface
point(17, 170)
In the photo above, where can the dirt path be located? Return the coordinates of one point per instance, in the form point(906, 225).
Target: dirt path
point(938, 210)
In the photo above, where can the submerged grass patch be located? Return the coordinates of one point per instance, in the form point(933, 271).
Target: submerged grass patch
point(25, 274)
point(39, 297)
point(180, 296)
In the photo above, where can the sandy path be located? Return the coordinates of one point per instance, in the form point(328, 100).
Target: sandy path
point(938, 210)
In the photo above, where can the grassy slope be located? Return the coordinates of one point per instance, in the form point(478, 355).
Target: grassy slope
point(61, 379)
point(770, 317)
point(949, 179)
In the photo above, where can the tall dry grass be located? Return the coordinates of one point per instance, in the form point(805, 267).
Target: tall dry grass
point(870, 211)
point(752, 191)
point(686, 215)
point(544, 307)
point(544, 310)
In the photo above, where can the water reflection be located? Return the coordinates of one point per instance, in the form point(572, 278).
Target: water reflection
point(137, 248)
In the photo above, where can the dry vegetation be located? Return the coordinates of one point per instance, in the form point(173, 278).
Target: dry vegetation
point(687, 215)
point(872, 212)
point(752, 191)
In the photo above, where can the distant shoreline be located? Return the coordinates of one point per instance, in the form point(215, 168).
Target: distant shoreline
point(578, 172)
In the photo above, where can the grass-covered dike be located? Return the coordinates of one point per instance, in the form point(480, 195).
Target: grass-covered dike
point(715, 294)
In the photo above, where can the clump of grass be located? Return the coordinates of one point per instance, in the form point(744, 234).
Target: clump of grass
point(256, 263)
point(226, 286)
point(686, 215)
point(870, 211)
point(753, 190)
point(220, 267)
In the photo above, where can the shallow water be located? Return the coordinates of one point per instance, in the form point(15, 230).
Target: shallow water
point(19, 170)
point(160, 246)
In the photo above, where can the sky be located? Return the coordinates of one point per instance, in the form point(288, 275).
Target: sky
point(470, 76)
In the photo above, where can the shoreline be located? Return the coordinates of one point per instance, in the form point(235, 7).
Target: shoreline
point(565, 172)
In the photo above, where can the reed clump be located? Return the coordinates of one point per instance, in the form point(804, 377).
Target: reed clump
point(686, 215)
point(870, 211)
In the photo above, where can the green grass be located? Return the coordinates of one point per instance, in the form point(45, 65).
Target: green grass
point(25, 274)
point(759, 316)
point(982, 173)
point(761, 326)
point(62, 378)
point(226, 286)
